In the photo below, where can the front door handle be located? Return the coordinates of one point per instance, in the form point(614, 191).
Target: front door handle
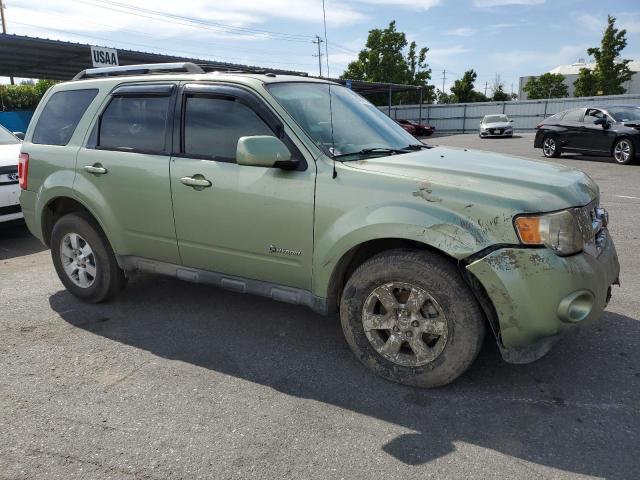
point(96, 169)
point(197, 181)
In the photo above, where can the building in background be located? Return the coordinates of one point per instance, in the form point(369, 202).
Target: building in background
point(572, 71)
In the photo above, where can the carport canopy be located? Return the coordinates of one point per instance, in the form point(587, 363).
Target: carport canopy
point(32, 57)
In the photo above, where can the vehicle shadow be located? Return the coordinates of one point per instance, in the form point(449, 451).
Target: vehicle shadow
point(574, 410)
point(16, 240)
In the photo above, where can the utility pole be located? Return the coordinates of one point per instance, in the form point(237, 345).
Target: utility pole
point(486, 84)
point(4, 29)
point(318, 41)
point(444, 78)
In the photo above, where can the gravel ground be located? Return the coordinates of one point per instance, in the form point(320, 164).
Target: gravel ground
point(175, 380)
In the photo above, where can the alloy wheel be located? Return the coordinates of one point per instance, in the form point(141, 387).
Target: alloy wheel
point(549, 147)
point(78, 260)
point(404, 324)
point(622, 151)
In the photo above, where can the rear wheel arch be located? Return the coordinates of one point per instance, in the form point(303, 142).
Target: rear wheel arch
point(57, 208)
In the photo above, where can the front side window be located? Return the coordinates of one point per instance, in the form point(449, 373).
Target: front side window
point(61, 116)
point(213, 126)
point(574, 115)
point(135, 123)
point(592, 115)
point(357, 124)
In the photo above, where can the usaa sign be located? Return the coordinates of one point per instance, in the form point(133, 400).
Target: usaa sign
point(104, 57)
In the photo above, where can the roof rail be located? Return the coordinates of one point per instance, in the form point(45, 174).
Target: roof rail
point(139, 69)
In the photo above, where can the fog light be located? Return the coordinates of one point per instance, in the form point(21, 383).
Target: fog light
point(576, 307)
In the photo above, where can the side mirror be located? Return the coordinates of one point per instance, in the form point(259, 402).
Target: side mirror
point(20, 135)
point(262, 151)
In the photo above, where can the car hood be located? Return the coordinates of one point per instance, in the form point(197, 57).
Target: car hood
point(9, 154)
point(497, 125)
point(450, 176)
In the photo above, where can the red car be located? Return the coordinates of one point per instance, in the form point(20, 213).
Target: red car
point(416, 129)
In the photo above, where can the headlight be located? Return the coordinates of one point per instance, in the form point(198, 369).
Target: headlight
point(559, 231)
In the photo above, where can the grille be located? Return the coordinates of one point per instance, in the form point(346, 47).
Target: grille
point(9, 210)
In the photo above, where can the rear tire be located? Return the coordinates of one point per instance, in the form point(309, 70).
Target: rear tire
point(84, 260)
point(550, 148)
point(426, 332)
point(624, 152)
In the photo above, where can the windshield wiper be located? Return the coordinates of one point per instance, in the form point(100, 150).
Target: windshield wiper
point(417, 146)
point(373, 150)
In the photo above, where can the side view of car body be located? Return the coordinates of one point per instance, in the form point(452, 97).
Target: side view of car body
point(247, 182)
point(496, 126)
point(416, 129)
point(608, 130)
point(9, 189)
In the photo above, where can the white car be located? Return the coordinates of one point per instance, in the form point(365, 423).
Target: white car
point(496, 126)
point(9, 189)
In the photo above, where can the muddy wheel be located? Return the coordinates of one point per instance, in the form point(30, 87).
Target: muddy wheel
point(409, 317)
point(84, 259)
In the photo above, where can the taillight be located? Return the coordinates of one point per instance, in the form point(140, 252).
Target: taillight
point(23, 170)
point(539, 125)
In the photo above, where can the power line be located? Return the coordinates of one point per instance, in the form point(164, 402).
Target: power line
point(181, 52)
point(187, 21)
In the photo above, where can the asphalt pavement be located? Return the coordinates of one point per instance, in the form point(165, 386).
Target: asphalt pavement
point(180, 381)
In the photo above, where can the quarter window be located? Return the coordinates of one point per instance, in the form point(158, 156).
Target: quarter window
point(61, 116)
point(212, 127)
point(136, 123)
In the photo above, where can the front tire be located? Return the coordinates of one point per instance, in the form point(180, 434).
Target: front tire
point(408, 316)
point(84, 260)
point(550, 148)
point(624, 152)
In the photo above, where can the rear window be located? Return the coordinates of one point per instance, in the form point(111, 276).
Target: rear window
point(135, 123)
point(61, 115)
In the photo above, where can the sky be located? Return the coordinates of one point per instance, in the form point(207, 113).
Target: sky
point(509, 38)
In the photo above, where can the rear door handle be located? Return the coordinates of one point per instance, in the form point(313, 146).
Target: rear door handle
point(96, 169)
point(196, 181)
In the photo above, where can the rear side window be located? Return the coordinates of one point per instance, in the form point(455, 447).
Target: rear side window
point(212, 127)
point(137, 123)
point(61, 115)
point(574, 115)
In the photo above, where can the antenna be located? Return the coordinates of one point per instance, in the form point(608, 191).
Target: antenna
point(326, 50)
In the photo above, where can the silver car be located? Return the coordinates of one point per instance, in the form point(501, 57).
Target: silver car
point(496, 126)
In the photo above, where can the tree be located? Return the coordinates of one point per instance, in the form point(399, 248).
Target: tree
point(548, 85)
point(610, 73)
point(463, 92)
point(383, 60)
point(499, 95)
point(24, 96)
point(497, 87)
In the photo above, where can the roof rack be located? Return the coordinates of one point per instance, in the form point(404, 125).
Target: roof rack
point(139, 69)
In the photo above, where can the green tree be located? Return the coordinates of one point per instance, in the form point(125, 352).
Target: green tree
point(24, 96)
point(383, 60)
point(497, 87)
point(610, 72)
point(463, 89)
point(548, 85)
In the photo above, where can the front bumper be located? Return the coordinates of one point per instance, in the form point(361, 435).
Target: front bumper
point(496, 132)
point(530, 290)
point(9, 202)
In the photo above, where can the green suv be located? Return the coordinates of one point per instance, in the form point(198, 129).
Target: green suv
point(301, 190)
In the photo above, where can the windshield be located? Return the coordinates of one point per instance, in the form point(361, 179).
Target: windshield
point(625, 114)
point(495, 119)
point(357, 124)
point(6, 137)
